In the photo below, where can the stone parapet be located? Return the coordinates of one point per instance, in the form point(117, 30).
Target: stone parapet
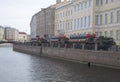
point(100, 58)
point(35, 50)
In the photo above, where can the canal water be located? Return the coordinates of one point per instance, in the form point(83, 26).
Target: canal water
point(19, 67)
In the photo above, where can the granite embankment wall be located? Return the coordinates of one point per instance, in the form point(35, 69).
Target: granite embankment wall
point(99, 58)
point(35, 50)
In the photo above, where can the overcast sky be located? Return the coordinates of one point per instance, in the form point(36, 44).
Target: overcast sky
point(18, 13)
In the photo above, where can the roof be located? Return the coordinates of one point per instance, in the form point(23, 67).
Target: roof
point(22, 33)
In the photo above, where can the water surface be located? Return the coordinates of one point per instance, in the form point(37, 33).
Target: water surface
point(19, 67)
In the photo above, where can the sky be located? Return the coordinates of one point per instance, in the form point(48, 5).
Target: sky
point(18, 13)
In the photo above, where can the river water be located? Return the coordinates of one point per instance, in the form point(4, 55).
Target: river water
point(19, 67)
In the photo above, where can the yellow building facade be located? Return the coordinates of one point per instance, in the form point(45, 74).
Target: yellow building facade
point(74, 17)
point(88, 16)
point(62, 17)
point(107, 19)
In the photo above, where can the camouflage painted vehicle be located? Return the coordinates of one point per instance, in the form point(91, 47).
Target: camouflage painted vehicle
point(60, 41)
point(104, 43)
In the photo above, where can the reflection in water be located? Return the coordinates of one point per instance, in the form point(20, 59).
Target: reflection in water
point(21, 67)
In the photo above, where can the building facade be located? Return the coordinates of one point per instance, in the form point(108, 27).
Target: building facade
point(22, 37)
point(28, 38)
point(75, 17)
point(2, 33)
point(62, 18)
point(33, 27)
point(43, 22)
point(40, 22)
point(107, 19)
point(11, 34)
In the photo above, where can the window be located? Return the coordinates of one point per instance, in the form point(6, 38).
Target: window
point(81, 5)
point(74, 24)
point(71, 24)
point(90, 3)
point(118, 35)
point(97, 2)
point(85, 4)
point(66, 24)
point(101, 2)
point(100, 19)
point(111, 20)
point(81, 22)
point(118, 16)
point(63, 14)
point(89, 18)
point(106, 34)
point(77, 23)
point(96, 19)
point(111, 33)
point(106, 1)
point(85, 21)
point(96, 34)
point(66, 13)
point(100, 33)
point(112, 0)
point(69, 13)
point(58, 26)
point(63, 25)
point(60, 14)
point(75, 8)
point(106, 18)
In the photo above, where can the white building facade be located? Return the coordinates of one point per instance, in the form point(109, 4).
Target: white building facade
point(2, 33)
point(33, 26)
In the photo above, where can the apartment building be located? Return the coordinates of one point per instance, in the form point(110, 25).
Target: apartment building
point(22, 37)
point(107, 19)
point(11, 34)
point(33, 26)
point(2, 34)
point(42, 23)
point(75, 17)
point(63, 17)
point(28, 38)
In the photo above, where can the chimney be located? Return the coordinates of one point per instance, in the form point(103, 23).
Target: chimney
point(58, 1)
point(65, 0)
